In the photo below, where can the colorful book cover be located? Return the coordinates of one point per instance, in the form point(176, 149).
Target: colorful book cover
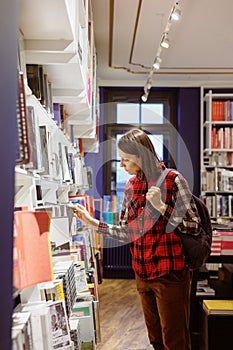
point(218, 306)
point(52, 290)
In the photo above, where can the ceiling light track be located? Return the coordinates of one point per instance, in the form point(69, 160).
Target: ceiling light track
point(175, 15)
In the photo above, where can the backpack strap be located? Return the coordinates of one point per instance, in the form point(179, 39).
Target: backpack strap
point(162, 177)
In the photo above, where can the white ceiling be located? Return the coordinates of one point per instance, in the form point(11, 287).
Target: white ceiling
point(128, 33)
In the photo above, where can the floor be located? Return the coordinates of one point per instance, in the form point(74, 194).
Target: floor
point(121, 319)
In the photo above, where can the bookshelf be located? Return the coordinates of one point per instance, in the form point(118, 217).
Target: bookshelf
point(56, 116)
point(59, 36)
point(217, 154)
point(216, 141)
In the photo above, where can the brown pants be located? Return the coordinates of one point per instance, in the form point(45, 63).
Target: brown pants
point(165, 302)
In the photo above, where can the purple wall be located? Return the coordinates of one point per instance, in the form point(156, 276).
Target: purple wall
point(8, 93)
point(189, 129)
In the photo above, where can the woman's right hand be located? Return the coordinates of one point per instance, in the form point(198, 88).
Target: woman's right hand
point(83, 214)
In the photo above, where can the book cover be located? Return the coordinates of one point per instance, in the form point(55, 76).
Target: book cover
point(218, 307)
point(34, 139)
point(80, 277)
point(59, 325)
point(41, 325)
point(52, 290)
point(46, 92)
point(60, 235)
point(23, 144)
point(21, 321)
point(226, 235)
point(33, 79)
point(44, 149)
point(57, 113)
point(32, 253)
point(17, 339)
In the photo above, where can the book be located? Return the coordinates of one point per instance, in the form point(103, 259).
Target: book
point(226, 235)
point(83, 310)
point(46, 93)
point(23, 143)
point(41, 325)
point(42, 86)
point(204, 289)
point(60, 235)
point(57, 113)
point(44, 149)
point(75, 333)
point(33, 79)
point(17, 339)
point(80, 277)
point(21, 322)
point(52, 290)
point(34, 139)
point(218, 307)
point(65, 270)
point(59, 325)
point(32, 253)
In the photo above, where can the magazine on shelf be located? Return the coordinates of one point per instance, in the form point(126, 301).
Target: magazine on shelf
point(59, 325)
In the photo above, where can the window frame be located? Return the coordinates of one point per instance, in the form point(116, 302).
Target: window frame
point(112, 96)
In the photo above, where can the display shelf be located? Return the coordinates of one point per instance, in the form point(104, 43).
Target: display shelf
point(56, 62)
point(56, 36)
point(57, 23)
point(216, 129)
point(220, 259)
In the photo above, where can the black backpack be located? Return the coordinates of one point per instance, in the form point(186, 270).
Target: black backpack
point(196, 248)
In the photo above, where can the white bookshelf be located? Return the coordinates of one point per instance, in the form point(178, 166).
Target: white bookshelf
point(217, 153)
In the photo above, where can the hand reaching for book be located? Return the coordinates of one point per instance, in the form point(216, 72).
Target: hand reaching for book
point(83, 214)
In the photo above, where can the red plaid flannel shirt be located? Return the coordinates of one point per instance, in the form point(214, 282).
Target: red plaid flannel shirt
point(156, 250)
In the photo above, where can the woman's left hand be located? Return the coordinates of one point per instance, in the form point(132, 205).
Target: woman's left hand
point(154, 197)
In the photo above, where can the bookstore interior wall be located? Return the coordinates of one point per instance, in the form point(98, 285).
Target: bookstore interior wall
point(55, 274)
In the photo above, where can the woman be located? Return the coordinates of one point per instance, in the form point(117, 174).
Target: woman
point(148, 218)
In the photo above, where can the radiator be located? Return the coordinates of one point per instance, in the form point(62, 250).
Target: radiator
point(116, 255)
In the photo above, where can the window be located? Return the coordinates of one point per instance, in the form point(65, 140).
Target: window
point(126, 112)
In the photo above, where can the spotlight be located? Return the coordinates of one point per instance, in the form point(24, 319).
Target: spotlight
point(157, 63)
point(144, 97)
point(165, 41)
point(176, 13)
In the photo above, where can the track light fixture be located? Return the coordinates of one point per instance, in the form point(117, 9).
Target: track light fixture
point(157, 62)
point(145, 97)
point(149, 83)
point(165, 43)
point(176, 12)
point(175, 15)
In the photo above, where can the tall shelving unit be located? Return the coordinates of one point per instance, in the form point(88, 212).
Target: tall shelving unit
point(217, 154)
point(56, 38)
point(216, 130)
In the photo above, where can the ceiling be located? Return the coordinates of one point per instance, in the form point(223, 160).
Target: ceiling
point(128, 33)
